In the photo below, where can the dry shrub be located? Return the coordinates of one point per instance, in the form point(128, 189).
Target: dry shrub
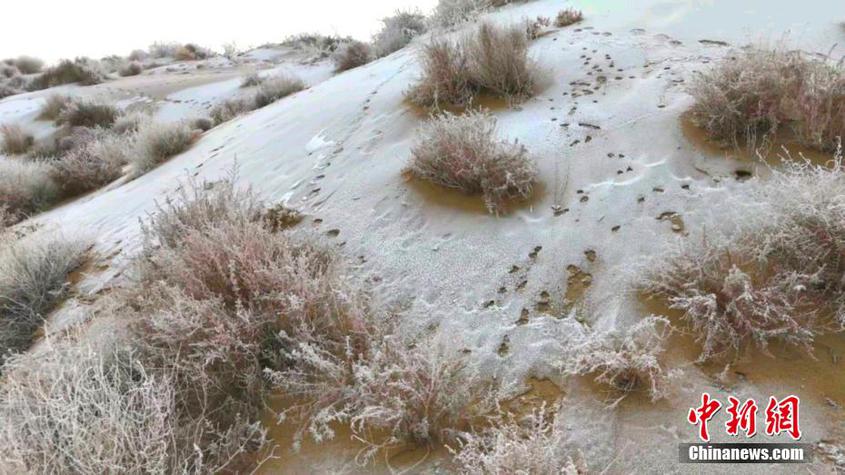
point(8, 71)
point(252, 79)
point(81, 70)
point(133, 68)
point(273, 89)
point(89, 114)
point(281, 217)
point(231, 108)
point(53, 106)
point(530, 445)
point(26, 186)
point(69, 408)
point(778, 276)
point(91, 165)
point(398, 31)
point(33, 278)
point(567, 17)
point(535, 28)
point(498, 60)
point(449, 13)
point(28, 64)
point(321, 46)
point(625, 361)
point(202, 123)
point(127, 124)
point(352, 54)
point(462, 152)
point(492, 59)
point(138, 55)
point(155, 143)
point(759, 92)
point(7, 90)
point(15, 139)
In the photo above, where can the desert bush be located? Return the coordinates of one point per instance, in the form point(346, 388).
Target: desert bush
point(498, 60)
point(15, 139)
point(252, 79)
point(138, 55)
point(320, 45)
point(202, 123)
point(531, 445)
point(161, 49)
point(81, 70)
point(231, 108)
point(127, 124)
point(53, 106)
point(133, 68)
point(492, 59)
point(534, 28)
point(757, 93)
point(79, 113)
point(7, 90)
point(398, 31)
point(777, 276)
point(28, 64)
point(279, 217)
point(8, 70)
point(73, 409)
point(445, 78)
point(33, 278)
point(567, 17)
point(449, 13)
point(90, 166)
point(624, 360)
point(157, 142)
point(273, 89)
point(26, 186)
point(352, 54)
point(462, 152)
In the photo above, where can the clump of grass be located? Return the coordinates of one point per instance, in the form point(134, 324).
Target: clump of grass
point(533, 444)
point(202, 123)
point(625, 361)
point(53, 106)
point(231, 108)
point(15, 139)
point(777, 277)
point(127, 124)
point(26, 186)
point(81, 70)
point(273, 89)
point(9, 71)
point(77, 113)
point(352, 54)
point(92, 165)
point(492, 59)
point(449, 13)
point(155, 143)
point(133, 68)
point(280, 217)
point(462, 152)
point(760, 92)
point(567, 17)
point(7, 90)
point(33, 278)
point(398, 31)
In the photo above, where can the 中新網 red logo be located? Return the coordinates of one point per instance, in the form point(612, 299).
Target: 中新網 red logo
point(781, 416)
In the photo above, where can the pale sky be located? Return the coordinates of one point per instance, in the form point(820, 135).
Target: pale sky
point(57, 29)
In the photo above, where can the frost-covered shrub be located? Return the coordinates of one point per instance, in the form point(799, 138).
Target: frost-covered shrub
point(70, 408)
point(753, 95)
point(624, 360)
point(28, 64)
point(138, 55)
point(491, 59)
point(398, 31)
point(273, 89)
point(231, 108)
point(202, 123)
point(81, 70)
point(532, 445)
point(15, 139)
point(252, 79)
point(77, 113)
point(91, 165)
point(7, 90)
point(567, 17)
point(53, 106)
point(132, 68)
point(462, 152)
point(26, 186)
point(33, 278)
point(451, 12)
point(157, 142)
point(127, 124)
point(777, 276)
point(352, 54)
point(8, 70)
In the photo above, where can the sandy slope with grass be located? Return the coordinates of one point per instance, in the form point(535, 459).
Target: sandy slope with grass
point(618, 179)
